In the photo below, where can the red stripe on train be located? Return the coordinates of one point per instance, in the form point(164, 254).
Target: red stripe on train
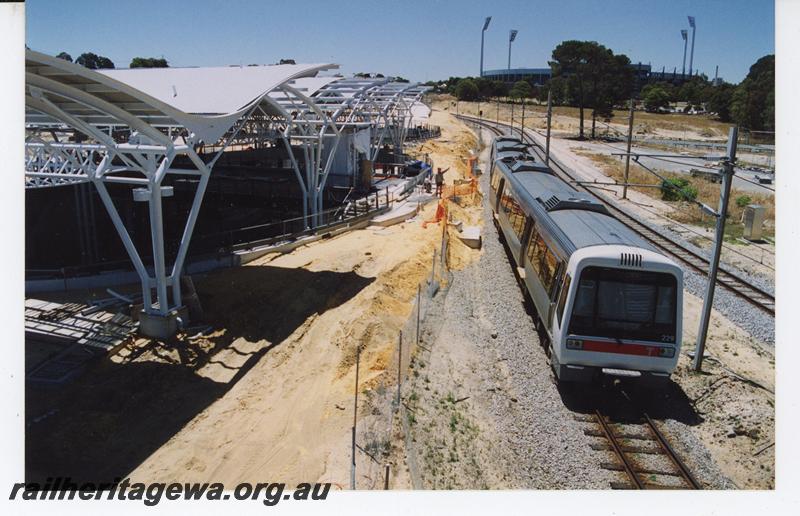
point(622, 349)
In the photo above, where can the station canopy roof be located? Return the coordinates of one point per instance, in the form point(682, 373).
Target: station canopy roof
point(206, 100)
point(217, 90)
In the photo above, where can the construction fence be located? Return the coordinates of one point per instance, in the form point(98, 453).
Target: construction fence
point(379, 434)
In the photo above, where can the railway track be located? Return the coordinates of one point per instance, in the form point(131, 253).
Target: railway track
point(734, 283)
point(641, 452)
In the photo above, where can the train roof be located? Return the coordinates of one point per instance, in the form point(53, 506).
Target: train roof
point(511, 146)
point(572, 218)
point(510, 143)
point(510, 155)
point(507, 138)
point(587, 228)
point(528, 164)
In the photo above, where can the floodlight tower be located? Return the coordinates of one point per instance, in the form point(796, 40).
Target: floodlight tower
point(512, 35)
point(485, 26)
point(684, 34)
point(691, 54)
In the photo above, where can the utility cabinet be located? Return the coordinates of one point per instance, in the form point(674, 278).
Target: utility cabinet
point(753, 221)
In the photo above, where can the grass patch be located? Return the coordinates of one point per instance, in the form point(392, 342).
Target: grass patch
point(706, 192)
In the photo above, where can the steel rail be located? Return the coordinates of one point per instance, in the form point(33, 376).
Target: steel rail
point(617, 448)
point(732, 282)
point(686, 474)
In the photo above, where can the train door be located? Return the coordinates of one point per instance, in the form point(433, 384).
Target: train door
point(496, 183)
point(559, 317)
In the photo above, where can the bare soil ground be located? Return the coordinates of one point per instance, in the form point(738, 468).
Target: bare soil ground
point(734, 397)
point(267, 393)
point(566, 120)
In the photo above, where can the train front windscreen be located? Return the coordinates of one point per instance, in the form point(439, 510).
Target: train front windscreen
point(625, 304)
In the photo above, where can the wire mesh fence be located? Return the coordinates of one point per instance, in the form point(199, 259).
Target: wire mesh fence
point(385, 415)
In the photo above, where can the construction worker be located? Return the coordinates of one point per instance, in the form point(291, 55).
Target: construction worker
point(440, 180)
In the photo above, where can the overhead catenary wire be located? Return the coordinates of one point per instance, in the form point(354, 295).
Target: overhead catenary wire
point(695, 165)
point(589, 185)
point(709, 238)
point(670, 185)
point(702, 205)
point(757, 184)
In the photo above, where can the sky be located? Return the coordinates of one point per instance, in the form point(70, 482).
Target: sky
point(417, 39)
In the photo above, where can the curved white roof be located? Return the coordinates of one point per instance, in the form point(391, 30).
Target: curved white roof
point(217, 90)
point(207, 101)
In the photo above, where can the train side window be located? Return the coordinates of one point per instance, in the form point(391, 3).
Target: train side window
point(562, 301)
point(532, 243)
point(505, 202)
point(495, 180)
point(535, 252)
point(558, 276)
point(548, 271)
point(538, 257)
point(512, 209)
point(518, 221)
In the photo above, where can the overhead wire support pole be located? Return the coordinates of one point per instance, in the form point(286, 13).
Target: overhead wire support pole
point(628, 152)
point(549, 118)
point(708, 302)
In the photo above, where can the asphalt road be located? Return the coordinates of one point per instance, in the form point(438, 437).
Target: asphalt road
point(743, 179)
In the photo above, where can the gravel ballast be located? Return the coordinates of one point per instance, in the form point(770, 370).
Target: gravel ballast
point(543, 445)
point(537, 432)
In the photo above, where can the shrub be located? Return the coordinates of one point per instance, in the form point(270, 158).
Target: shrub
point(678, 189)
point(743, 200)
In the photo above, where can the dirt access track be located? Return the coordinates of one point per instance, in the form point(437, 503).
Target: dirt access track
point(268, 393)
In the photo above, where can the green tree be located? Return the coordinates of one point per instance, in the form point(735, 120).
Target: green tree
point(570, 63)
point(148, 62)
point(753, 102)
point(590, 75)
point(720, 100)
point(93, 61)
point(612, 81)
point(521, 90)
point(65, 56)
point(655, 97)
point(499, 89)
point(466, 89)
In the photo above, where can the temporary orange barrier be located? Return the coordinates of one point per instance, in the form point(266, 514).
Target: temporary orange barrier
point(450, 191)
point(441, 211)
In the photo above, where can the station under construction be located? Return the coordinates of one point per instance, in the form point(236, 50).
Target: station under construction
point(143, 174)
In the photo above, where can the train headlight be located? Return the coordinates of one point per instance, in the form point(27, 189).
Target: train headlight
point(574, 344)
point(666, 352)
